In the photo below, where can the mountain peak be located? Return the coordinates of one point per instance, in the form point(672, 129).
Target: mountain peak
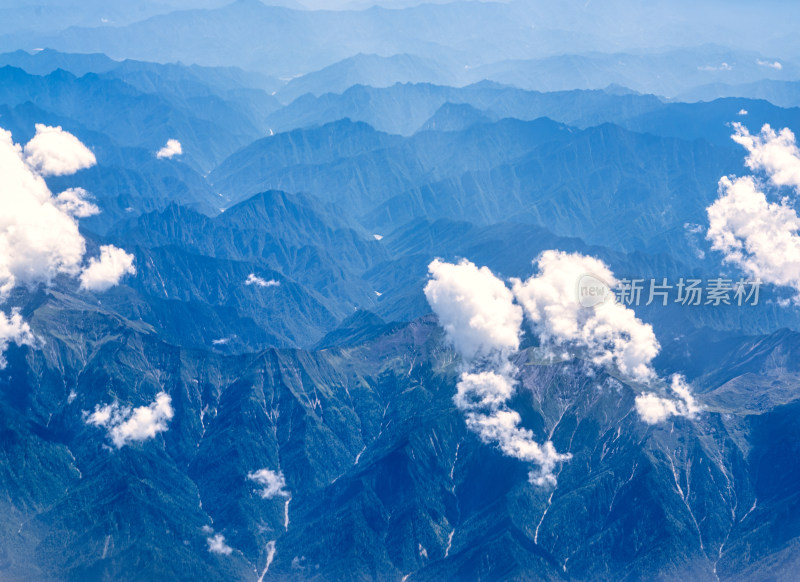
point(456, 117)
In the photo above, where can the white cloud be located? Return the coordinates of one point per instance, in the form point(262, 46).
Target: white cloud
point(38, 240)
point(654, 409)
point(39, 236)
point(483, 398)
point(272, 484)
point(771, 152)
point(126, 425)
point(483, 390)
point(502, 427)
point(103, 273)
point(483, 323)
point(771, 64)
point(720, 67)
point(173, 148)
point(252, 279)
point(608, 334)
point(74, 203)
point(217, 545)
point(481, 320)
point(13, 330)
point(742, 112)
point(55, 152)
point(758, 236)
point(475, 308)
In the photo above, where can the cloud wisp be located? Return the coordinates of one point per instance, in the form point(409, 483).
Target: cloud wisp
point(126, 425)
point(771, 64)
point(75, 202)
point(481, 320)
point(13, 330)
point(217, 545)
point(253, 279)
point(273, 484)
point(654, 409)
point(172, 148)
point(757, 235)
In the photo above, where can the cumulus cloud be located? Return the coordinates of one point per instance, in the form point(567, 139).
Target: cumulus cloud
point(103, 273)
point(13, 330)
point(475, 308)
point(55, 152)
point(173, 148)
point(481, 320)
point(758, 236)
point(774, 153)
point(654, 409)
point(39, 236)
point(252, 279)
point(217, 545)
point(273, 484)
point(126, 425)
point(742, 112)
point(608, 334)
point(753, 233)
point(38, 240)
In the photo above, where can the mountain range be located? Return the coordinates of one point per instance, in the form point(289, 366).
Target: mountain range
point(271, 388)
